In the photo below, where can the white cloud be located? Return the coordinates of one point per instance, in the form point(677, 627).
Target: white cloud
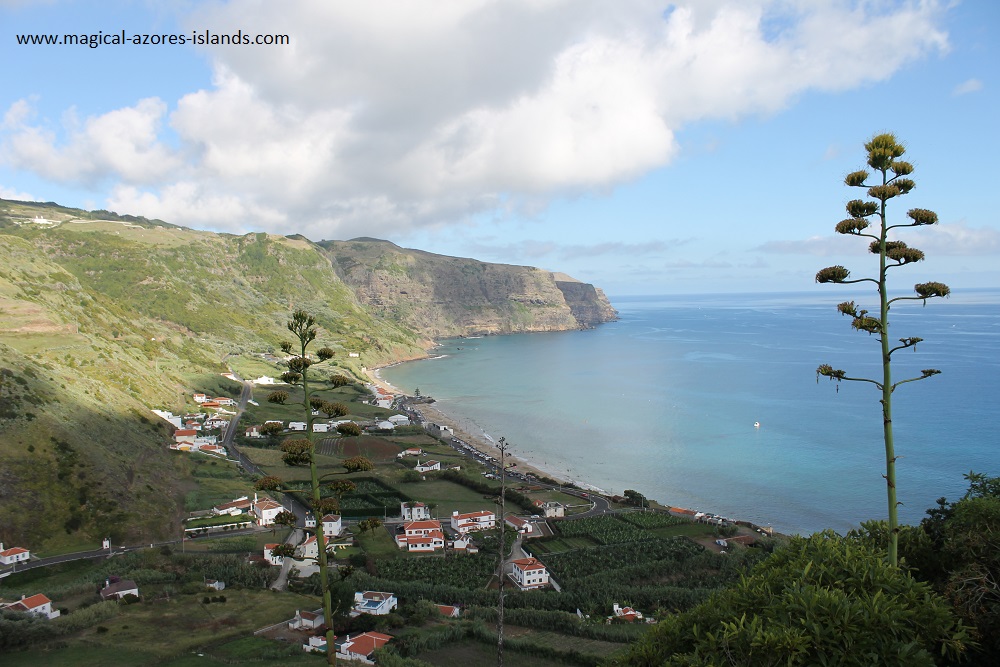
point(966, 87)
point(13, 193)
point(382, 116)
point(948, 239)
point(123, 144)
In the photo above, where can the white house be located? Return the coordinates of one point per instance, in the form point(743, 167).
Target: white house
point(414, 511)
point(529, 573)
point(296, 426)
point(270, 556)
point(265, 510)
point(385, 425)
point(374, 602)
point(464, 545)
point(471, 521)
point(359, 648)
point(224, 400)
point(427, 466)
point(37, 604)
point(439, 430)
point(316, 644)
point(310, 548)
point(332, 526)
point(554, 509)
point(421, 536)
point(412, 451)
point(519, 524)
point(13, 555)
point(400, 420)
point(310, 520)
point(200, 398)
point(625, 613)
point(253, 432)
point(306, 620)
point(233, 508)
point(264, 380)
point(216, 423)
point(185, 435)
point(321, 427)
point(119, 589)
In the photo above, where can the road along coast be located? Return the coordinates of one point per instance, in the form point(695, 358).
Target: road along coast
point(467, 434)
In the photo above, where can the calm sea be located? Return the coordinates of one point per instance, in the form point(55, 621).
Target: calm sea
point(665, 400)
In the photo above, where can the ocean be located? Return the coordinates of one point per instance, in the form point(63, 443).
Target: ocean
point(665, 401)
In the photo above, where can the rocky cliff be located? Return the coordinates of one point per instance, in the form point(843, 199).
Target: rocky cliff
point(441, 296)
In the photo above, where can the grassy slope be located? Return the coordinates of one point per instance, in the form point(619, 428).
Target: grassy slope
point(100, 321)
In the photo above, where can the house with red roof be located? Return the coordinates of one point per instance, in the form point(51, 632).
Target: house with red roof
point(13, 555)
point(361, 647)
point(529, 573)
point(520, 525)
point(185, 435)
point(306, 620)
point(472, 521)
point(270, 556)
point(37, 604)
point(233, 508)
point(427, 466)
point(265, 510)
point(627, 614)
point(448, 611)
point(421, 536)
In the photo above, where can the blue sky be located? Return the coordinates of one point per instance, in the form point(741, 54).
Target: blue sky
point(645, 147)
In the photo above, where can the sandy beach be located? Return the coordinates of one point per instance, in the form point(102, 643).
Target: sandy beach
point(477, 440)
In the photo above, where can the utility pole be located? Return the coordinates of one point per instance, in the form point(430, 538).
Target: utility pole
point(502, 447)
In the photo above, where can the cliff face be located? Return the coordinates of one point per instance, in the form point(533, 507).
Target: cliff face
point(588, 304)
point(442, 296)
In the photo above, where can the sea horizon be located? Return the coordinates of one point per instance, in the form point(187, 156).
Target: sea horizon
point(664, 401)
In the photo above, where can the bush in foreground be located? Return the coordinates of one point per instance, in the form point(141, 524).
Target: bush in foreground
point(823, 600)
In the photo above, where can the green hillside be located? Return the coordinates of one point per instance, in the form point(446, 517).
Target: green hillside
point(105, 316)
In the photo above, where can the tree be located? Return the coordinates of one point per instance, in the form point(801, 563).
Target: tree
point(273, 428)
point(331, 409)
point(822, 600)
point(285, 518)
point(633, 497)
point(884, 152)
point(278, 397)
point(358, 464)
point(338, 380)
point(349, 429)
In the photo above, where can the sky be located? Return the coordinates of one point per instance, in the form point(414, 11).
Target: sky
point(645, 147)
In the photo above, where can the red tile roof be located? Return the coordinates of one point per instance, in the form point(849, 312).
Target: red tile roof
point(526, 564)
point(365, 644)
point(13, 551)
point(33, 602)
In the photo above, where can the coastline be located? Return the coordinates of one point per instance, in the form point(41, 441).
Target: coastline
point(478, 441)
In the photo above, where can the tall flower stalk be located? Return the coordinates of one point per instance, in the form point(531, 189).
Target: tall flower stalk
point(884, 152)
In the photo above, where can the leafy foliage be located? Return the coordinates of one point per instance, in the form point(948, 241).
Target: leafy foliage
point(822, 600)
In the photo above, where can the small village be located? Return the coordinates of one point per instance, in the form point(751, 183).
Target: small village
point(421, 513)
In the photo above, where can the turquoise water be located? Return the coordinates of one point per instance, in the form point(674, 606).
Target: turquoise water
point(664, 401)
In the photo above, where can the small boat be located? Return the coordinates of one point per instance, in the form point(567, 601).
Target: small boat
point(756, 424)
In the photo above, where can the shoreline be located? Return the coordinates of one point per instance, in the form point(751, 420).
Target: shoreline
point(429, 412)
point(479, 441)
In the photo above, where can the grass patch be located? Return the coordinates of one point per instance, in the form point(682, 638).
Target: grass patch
point(470, 653)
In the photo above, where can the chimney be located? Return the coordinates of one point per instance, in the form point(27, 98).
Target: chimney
point(454, 513)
